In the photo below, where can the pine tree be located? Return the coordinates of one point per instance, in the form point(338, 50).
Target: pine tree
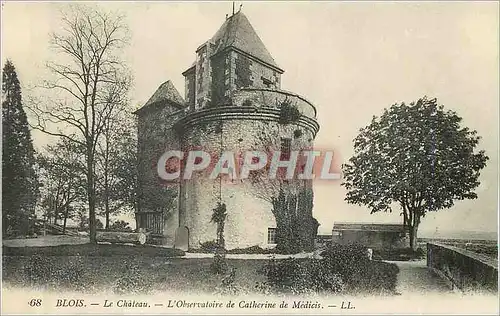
point(19, 181)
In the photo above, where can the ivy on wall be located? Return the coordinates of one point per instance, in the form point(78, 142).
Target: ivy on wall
point(288, 112)
point(296, 228)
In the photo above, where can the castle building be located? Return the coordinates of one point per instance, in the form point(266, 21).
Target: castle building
point(233, 102)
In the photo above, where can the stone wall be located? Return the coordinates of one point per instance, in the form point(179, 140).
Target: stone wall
point(190, 86)
point(462, 269)
point(155, 135)
point(231, 71)
point(220, 79)
point(263, 97)
point(251, 73)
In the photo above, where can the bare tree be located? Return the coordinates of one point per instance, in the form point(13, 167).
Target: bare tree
point(89, 78)
point(116, 166)
point(63, 177)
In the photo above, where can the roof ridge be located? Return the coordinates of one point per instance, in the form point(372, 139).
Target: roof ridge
point(165, 92)
point(237, 32)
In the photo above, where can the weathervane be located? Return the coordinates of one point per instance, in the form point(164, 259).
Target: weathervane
point(241, 5)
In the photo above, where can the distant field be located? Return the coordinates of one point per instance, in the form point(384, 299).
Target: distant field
point(485, 247)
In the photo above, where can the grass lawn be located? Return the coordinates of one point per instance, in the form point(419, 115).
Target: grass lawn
point(123, 269)
point(118, 269)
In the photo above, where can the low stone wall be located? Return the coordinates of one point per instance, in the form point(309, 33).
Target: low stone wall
point(462, 269)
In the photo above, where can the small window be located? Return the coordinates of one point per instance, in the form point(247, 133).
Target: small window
point(286, 148)
point(268, 83)
point(271, 236)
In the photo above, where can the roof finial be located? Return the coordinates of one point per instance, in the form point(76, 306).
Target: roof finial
point(233, 7)
point(241, 5)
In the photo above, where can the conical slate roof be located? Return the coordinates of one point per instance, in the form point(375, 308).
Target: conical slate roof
point(237, 32)
point(166, 92)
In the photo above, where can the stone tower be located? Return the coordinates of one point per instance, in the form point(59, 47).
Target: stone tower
point(233, 102)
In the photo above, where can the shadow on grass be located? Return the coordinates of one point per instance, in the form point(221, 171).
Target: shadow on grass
point(93, 250)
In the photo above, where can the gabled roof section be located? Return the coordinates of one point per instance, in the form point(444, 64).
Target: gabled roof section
point(166, 93)
point(237, 32)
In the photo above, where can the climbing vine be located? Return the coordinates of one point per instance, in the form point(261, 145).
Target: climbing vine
point(288, 112)
point(296, 228)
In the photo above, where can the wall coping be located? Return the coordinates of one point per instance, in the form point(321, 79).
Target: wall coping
point(285, 92)
point(241, 113)
point(474, 255)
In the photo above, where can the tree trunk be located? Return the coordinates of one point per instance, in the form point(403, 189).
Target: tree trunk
point(91, 196)
point(220, 235)
point(106, 180)
point(413, 230)
point(65, 219)
point(107, 213)
point(222, 241)
point(137, 223)
point(122, 237)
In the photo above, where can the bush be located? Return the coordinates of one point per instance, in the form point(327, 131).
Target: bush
point(210, 246)
point(399, 254)
point(219, 264)
point(247, 102)
point(120, 225)
point(299, 276)
point(343, 267)
point(228, 285)
point(251, 250)
point(358, 272)
point(288, 112)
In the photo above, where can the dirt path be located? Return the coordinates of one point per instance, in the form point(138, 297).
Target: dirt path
point(43, 241)
point(415, 278)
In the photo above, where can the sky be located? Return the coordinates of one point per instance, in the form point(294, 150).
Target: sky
point(351, 59)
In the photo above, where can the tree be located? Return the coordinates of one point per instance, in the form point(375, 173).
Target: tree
point(291, 200)
point(19, 181)
point(116, 158)
point(62, 173)
point(89, 84)
point(417, 156)
point(296, 228)
point(219, 215)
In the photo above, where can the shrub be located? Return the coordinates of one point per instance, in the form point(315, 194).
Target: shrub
point(358, 272)
point(251, 250)
point(420, 252)
point(288, 112)
point(120, 225)
point(228, 286)
point(297, 133)
point(219, 264)
point(399, 254)
point(343, 267)
point(210, 246)
point(299, 276)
